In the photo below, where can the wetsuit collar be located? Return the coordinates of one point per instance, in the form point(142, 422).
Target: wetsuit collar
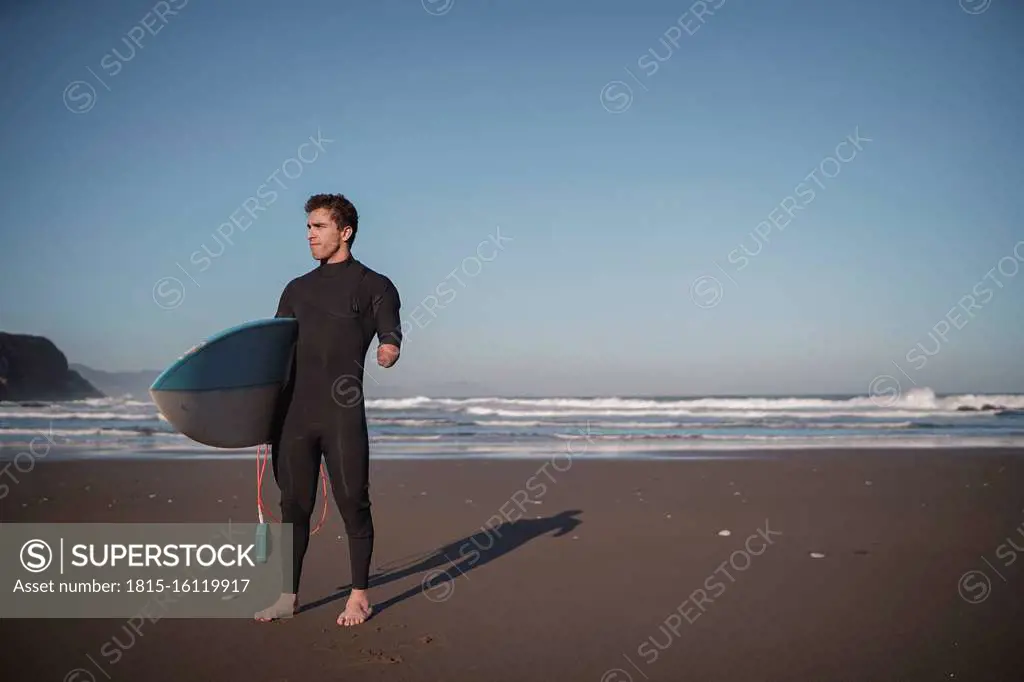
point(333, 269)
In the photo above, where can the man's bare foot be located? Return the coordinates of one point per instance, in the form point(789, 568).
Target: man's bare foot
point(357, 609)
point(284, 607)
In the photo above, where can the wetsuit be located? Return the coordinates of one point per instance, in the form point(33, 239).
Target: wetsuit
point(339, 308)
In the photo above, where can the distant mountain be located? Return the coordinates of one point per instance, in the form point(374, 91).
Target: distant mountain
point(33, 368)
point(119, 384)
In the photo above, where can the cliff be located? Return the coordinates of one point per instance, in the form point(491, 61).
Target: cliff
point(33, 368)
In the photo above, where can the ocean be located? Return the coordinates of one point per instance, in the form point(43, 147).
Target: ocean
point(609, 427)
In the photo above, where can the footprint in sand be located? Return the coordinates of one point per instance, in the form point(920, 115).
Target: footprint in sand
point(380, 656)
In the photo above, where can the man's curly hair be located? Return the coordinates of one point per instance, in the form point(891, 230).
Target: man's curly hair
point(342, 211)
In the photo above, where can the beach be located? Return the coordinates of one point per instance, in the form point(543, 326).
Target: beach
point(826, 565)
point(660, 369)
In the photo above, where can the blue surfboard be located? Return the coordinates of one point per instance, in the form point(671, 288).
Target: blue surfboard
point(225, 391)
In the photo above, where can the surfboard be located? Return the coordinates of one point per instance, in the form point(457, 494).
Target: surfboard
point(224, 392)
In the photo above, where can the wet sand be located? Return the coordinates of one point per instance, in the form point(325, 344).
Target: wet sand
point(600, 570)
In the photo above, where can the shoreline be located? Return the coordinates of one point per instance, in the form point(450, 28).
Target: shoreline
point(130, 453)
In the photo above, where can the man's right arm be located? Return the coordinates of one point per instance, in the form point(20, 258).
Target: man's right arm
point(284, 306)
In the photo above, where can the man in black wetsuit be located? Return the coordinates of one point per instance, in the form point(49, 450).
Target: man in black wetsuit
point(340, 306)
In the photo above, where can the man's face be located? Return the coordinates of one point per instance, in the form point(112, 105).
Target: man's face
point(324, 236)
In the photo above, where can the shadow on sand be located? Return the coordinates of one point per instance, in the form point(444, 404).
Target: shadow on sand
point(443, 565)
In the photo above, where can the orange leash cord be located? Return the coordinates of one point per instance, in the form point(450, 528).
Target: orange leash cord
point(262, 455)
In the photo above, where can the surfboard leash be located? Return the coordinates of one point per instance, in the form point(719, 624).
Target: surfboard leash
point(262, 455)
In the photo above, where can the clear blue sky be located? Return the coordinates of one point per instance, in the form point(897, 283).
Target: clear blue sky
point(447, 127)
